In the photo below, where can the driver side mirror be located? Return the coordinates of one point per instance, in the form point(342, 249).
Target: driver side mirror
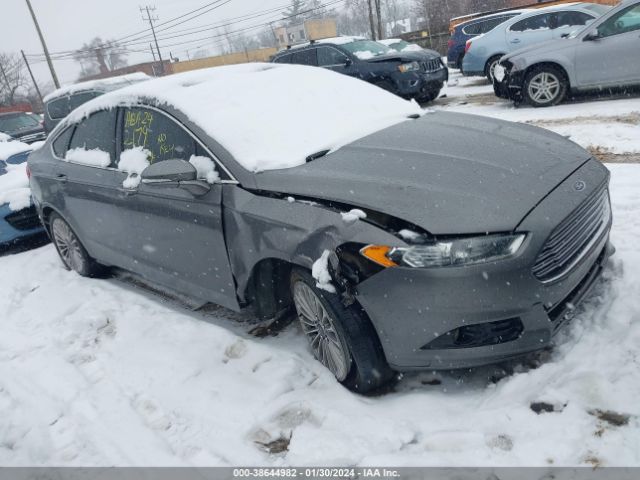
point(348, 62)
point(591, 36)
point(169, 171)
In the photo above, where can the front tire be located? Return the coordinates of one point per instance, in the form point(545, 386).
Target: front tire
point(429, 96)
point(72, 253)
point(341, 338)
point(545, 86)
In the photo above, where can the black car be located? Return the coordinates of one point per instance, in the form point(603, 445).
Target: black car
point(417, 75)
point(22, 126)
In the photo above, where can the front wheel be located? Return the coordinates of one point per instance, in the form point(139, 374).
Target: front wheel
point(72, 253)
point(544, 86)
point(430, 96)
point(341, 338)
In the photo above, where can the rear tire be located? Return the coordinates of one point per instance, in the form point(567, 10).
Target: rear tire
point(429, 97)
point(491, 66)
point(72, 253)
point(344, 333)
point(545, 86)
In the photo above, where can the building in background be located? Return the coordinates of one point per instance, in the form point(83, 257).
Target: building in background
point(306, 31)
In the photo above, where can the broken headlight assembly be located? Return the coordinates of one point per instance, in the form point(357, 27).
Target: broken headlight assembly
point(447, 253)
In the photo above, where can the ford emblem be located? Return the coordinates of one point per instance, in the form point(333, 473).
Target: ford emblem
point(579, 186)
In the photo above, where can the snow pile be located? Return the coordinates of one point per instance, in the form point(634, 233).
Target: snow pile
point(4, 137)
point(270, 116)
point(364, 55)
point(133, 162)
point(14, 187)
point(353, 215)
point(14, 184)
point(92, 158)
point(96, 372)
point(320, 271)
point(205, 167)
point(9, 148)
point(103, 84)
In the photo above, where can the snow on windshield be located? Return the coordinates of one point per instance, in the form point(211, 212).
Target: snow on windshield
point(269, 116)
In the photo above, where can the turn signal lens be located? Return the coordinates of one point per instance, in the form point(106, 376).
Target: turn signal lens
point(378, 254)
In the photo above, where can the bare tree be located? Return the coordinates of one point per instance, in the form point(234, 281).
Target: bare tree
point(100, 56)
point(13, 78)
point(295, 13)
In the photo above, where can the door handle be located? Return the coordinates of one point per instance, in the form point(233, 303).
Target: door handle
point(515, 40)
point(61, 177)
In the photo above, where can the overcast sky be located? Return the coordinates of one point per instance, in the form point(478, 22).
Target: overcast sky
point(67, 24)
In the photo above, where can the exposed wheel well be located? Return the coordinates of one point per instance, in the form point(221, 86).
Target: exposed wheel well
point(490, 60)
point(268, 290)
point(46, 213)
point(550, 64)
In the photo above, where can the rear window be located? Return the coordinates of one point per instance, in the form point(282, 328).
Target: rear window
point(97, 132)
point(61, 144)
point(58, 108)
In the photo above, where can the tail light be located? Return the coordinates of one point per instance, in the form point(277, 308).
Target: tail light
point(450, 43)
point(467, 46)
point(28, 170)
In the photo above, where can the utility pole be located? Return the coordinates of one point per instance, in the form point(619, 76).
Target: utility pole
point(379, 15)
point(152, 52)
point(44, 46)
point(33, 79)
point(371, 22)
point(151, 19)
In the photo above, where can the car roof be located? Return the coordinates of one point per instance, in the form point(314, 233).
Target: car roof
point(493, 15)
point(341, 40)
point(101, 85)
point(290, 124)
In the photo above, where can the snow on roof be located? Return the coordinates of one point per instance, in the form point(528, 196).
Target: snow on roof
point(99, 84)
point(267, 115)
point(389, 41)
point(341, 40)
point(8, 148)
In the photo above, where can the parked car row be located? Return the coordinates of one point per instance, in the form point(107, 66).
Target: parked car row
point(406, 70)
point(541, 55)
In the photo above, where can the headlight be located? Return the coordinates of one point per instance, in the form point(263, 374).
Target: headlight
point(459, 251)
point(409, 67)
point(499, 73)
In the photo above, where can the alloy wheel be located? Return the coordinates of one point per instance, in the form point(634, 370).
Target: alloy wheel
point(544, 87)
point(68, 245)
point(319, 327)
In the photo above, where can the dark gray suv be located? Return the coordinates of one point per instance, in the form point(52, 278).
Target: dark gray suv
point(400, 244)
point(409, 74)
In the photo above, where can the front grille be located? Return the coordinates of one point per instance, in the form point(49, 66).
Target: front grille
point(431, 65)
point(574, 237)
point(25, 219)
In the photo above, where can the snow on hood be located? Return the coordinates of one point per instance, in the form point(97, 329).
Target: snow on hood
point(11, 148)
point(269, 116)
point(14, 184)
point(102, 83)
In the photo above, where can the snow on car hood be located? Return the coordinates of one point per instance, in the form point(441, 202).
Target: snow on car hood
point(14, 183)
point(447, 172)
point(269, 116)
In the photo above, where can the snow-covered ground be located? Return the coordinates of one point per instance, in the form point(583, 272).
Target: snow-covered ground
point(605, 125)
point(101, 372)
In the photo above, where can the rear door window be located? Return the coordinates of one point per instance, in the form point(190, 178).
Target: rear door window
point(98, 132)
point(329, 56)
point(61, 144)
point(58, 108)
point(283, 59)
point(539, 22)
point(306, 57)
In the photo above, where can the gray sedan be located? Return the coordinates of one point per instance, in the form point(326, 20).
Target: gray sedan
point(397, 248)
point(603, 55)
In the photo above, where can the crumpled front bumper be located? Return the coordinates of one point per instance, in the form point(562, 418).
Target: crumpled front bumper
point(510, 87)
point(412, 307)
point(16, 225)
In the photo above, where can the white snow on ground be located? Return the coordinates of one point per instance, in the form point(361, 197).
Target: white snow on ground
point(14, 184)
point(95, 372)
point(270, 116)
point(93, 158)
point(133, 161)
point(606, 125)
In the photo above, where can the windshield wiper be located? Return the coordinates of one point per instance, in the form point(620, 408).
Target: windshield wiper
point(316, 155)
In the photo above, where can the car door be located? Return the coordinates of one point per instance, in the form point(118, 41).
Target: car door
point(529, 31)
point(91, 194)
point(174, 233)
point(608, 54)
point(566, 21)
point(333, 59)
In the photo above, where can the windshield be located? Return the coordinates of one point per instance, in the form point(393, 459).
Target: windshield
point(596, 8)
point(364, 49)
point(14, 123)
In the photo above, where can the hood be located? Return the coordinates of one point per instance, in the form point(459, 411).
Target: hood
point(554, 46)
point(405, 56)
point(448, 173)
